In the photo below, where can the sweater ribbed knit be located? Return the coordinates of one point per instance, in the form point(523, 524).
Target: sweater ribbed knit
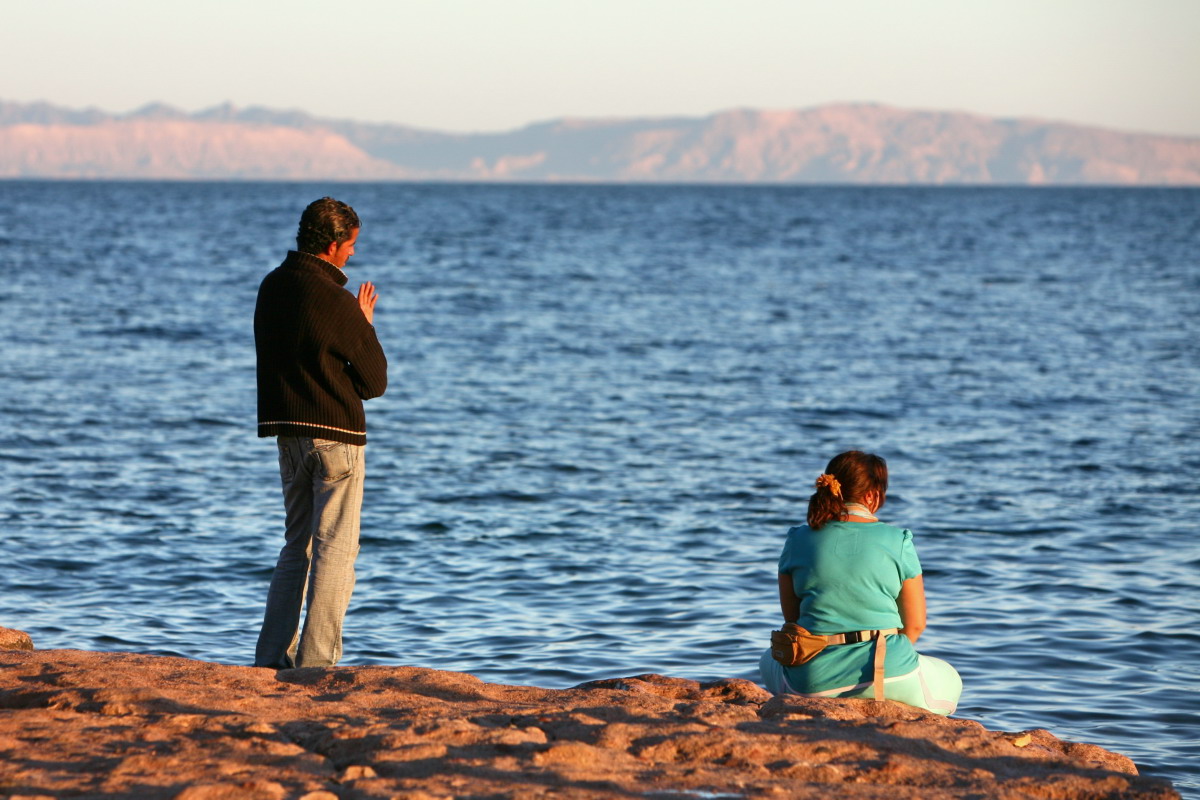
point(318, 357)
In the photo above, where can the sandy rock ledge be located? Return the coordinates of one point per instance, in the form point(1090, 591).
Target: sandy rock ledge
point(87, 724)
point(14, 640)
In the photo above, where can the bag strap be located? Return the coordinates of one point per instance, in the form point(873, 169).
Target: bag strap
point(880, 639)
point(880, 656)
point(854, 637)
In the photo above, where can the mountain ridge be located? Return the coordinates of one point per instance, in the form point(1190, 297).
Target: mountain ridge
point(849, 143)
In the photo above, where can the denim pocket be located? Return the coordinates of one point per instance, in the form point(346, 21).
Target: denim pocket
point(287, 464)
point(337, 459)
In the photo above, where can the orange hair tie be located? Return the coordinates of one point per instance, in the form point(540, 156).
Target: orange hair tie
point(830, 482)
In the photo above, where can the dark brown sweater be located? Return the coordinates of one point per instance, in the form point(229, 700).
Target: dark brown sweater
point(318, 357)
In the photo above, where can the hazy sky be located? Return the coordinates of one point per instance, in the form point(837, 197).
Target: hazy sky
point(479, 65)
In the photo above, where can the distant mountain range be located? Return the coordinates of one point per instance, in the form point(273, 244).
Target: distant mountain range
point(847, 143)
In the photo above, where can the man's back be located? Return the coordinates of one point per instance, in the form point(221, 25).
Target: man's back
point(318, 357)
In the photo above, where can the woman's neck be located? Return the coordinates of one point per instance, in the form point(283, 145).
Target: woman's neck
point(861, 511)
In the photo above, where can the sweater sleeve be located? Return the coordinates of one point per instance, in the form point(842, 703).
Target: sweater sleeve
point(367, 366)
point(359, 347)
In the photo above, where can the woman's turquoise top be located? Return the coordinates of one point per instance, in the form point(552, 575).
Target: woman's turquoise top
point(847, 576)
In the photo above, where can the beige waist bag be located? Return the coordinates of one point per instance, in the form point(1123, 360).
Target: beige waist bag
point(793, 645)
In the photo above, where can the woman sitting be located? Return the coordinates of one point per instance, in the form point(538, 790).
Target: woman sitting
point(853, 586)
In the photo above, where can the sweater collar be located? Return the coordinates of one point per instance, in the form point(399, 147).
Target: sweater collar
point(297, 260)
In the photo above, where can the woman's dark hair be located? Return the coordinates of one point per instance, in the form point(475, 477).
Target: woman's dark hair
point(854, 474)
point(323, 223)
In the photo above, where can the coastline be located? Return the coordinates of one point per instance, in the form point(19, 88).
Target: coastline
point(130, 725)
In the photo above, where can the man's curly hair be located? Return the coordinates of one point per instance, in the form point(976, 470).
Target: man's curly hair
point(323, 223)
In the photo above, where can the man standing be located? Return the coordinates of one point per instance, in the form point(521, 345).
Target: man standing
point(318, 359)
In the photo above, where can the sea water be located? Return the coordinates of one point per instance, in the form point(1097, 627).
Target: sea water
point(606, 407)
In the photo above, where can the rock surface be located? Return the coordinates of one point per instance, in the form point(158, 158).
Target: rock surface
point(125, 725)
point(14, 640)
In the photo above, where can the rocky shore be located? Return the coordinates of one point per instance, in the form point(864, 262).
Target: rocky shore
point(84, 724)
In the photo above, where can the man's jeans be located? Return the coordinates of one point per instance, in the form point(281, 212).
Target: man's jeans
point(322, 492)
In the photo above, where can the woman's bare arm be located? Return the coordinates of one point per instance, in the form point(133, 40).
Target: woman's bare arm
point(911, 604)
point(788, 601)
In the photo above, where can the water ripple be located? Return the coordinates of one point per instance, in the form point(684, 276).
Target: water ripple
point(607, 406)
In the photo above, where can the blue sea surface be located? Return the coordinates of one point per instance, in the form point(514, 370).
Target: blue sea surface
point(608, 404)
